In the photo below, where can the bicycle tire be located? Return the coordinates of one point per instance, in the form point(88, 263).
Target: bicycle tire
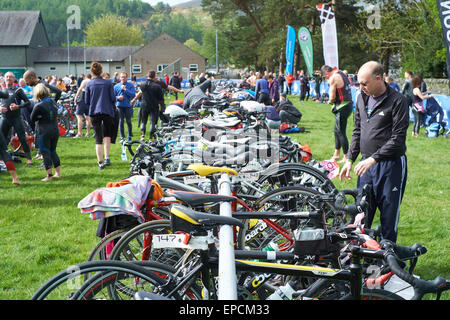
point(285, 174)
point(379, 294)
point(324, 289)
point(264, 234)
point(103, 281)
point(131, 245)
point(65, 283)
point(98, 252)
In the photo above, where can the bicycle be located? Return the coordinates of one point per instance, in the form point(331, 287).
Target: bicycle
point(204, 265)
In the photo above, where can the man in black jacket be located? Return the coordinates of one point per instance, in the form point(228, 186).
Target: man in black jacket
point(152, 94)
point(381, 122)
point(176, 82)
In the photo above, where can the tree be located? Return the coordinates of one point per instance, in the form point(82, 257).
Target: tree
point(193, 45)
point(408, 29)
point(112, 30)
point(256, 30)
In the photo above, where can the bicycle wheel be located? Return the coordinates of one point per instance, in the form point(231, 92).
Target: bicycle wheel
point(136, 245)
point(114, 285)
point(100, 252)
point(258, 233)
point(379, 294)
point(324, 289)
point(124, 278)
point(289, 174)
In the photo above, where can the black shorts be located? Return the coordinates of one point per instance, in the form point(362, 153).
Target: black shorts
point(103, 127)
point(82, 109)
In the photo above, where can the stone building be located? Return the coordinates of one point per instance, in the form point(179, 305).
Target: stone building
point(24, 44)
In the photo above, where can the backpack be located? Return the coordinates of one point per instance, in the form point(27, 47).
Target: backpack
point(433, 130)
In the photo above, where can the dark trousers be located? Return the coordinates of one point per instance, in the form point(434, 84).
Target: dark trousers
point(387, 179)
point(5, 126)
point(304, 91)
point(340, 127)
point(153, 114)
point(125, 114)
point(419, 120)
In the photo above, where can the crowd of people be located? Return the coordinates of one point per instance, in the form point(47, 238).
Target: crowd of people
point(107, 106)
point(103, 104)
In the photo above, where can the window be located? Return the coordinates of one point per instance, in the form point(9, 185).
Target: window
point(136, 68)
point(193, 68)
point(118, 68)
point(161, 67)
point(52, 68)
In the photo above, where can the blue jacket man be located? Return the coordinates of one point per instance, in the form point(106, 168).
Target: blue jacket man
point(125, 92)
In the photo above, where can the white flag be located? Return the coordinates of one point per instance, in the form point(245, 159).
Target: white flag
point(329, 35)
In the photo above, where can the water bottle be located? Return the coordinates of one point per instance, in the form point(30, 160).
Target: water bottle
point(270, 249)
point(124, 154)
point(272, 246)
point(282, 293)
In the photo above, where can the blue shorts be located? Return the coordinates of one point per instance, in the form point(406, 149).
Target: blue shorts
point(82, 109)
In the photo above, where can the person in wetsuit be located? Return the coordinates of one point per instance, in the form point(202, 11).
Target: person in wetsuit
point(152, 94)
point(45, 113)
point(11, 116)
point(342, 107)
point(4, 155)
point(32, 80)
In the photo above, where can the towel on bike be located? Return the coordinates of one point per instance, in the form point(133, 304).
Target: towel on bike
point(124, 199)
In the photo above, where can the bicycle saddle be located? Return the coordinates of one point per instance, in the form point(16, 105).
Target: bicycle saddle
point(202, 219)
point(203, 170)
point(197, 198)
point(239, 160)
point(211, 124)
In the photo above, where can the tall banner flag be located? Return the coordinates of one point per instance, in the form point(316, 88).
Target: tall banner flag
point(444, 15)
point(290, 49)
point(329, 35)
point(305, 41)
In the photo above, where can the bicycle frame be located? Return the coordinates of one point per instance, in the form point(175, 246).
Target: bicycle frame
point(208, 262)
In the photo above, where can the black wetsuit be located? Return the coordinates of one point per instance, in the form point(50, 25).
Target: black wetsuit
point(45, 113)
point(152, 94)
point(342, 109)
point(13, 118)
point(4, 155)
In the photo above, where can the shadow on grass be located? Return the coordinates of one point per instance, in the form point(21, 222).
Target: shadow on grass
point(66, 201)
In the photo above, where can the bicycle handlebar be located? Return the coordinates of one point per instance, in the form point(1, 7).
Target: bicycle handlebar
point(393, 252)
point(360, 196)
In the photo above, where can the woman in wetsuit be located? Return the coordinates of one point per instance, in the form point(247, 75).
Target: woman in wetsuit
point(4, 155)
point(11, 117)
point(45, 113)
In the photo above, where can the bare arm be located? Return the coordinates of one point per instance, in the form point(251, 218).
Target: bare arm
point(332, 91)
point(418, 93)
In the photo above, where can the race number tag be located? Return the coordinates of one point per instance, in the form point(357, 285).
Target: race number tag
point(249, 176)
point(183, 241)
point(194, 179)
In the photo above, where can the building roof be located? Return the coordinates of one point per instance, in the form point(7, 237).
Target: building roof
point(100, 54)
point(17, 27)
point(166, 35)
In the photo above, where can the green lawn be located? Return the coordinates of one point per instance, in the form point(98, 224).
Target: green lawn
point(42, 231)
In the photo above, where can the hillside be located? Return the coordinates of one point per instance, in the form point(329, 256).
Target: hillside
point(190, 4)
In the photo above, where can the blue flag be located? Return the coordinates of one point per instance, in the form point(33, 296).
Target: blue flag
point(290, 49)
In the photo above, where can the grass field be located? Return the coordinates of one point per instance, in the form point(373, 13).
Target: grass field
point(43, 232)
